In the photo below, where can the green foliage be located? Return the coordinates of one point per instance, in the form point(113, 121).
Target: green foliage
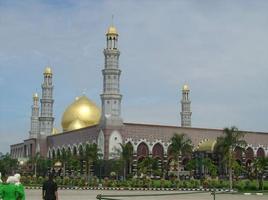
point(225, 145)
point(8, 165)
point(180, 145)
point(149, 166)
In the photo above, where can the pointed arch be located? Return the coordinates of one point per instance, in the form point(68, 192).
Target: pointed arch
point(142, 150)
point(53, 153)
point(158, 151)
point(260, 152)
point(238, 153)
point(249, 153)
point(74, 150)
point(58, 153)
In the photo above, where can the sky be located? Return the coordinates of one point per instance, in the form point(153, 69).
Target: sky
point(219, 48)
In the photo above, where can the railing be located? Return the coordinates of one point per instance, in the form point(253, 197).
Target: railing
point(114, 197)
point(213, 193)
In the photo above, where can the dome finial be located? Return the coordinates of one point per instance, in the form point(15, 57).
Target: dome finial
point(185, 87)
point(48, 70)
point(35, 95)
point(112, 19)
point(112, 30)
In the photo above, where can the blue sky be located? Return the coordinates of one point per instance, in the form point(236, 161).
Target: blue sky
point(219, 48)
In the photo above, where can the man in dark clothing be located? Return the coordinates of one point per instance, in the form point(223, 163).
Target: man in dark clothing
point(50, 189)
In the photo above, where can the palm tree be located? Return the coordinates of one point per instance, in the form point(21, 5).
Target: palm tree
point(148, 165)
point(91, 155)
point(63, 158)
point(7, 164)
point(260, 165)
point(34, 161)
point(180, 145)
point(126, 156)
point(226, 144)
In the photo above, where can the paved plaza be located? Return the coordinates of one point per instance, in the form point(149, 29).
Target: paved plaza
point(91, 194)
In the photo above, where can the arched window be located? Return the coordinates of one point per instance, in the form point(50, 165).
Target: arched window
point(260, 153)
point(142, 150)
point(238, 153)
point(158, 151)
point(249, 153)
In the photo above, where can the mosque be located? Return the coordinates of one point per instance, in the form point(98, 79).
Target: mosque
point(83, 122)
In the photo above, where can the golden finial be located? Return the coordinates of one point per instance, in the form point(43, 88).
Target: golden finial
point(112, 30)
point(185, 87)
point(48, 70)
point(35, 95)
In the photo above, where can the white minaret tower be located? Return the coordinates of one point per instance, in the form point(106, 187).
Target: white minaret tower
point(35, 117)
point(185, 107)
point(111, 97)
point(46, 118)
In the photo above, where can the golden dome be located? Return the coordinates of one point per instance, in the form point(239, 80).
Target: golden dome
point(54, 131)
point(112, 31)
point(48, 70)
point(206, 145)
point(81, 113)
point(185, 87)
point(58, 164)
point(35, 96)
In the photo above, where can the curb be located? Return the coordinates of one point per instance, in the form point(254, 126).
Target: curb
point(136, 189)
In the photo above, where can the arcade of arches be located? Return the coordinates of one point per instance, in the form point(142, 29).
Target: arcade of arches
point(162, 155)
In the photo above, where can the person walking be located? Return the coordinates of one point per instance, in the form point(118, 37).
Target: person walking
point(50, 189)
point(20, 187)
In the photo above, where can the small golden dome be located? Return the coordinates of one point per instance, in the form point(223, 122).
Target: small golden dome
point(206, 145)
point(111, 31)
point(185, 87)
point(58, 164)
point(48, 70)
point(35, 96)
point(81, 113)
point(54, 131)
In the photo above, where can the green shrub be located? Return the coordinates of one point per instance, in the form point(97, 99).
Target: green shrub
point(167, 184)
point(265, 185)
point(40, 180)
point(156, 184)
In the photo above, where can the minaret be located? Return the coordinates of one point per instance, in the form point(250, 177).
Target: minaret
point(46, 118)
point(185, 107)
point(111, 97)
point(35, 117)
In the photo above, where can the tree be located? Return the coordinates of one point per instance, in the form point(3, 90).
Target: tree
point(210, 166)
point(91, 155)
point(34, 161)
point(260, 165)
point(64, 159)
point(226, 144)
point(180, 145)
point(206, 162)
point(8, 165)
point(148, 165)
point(39, 164)
point(126, 156)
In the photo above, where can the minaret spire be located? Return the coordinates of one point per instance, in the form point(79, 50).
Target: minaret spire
point(35, 117)
point(186, 107)
point(111, 97)
point(46, 118)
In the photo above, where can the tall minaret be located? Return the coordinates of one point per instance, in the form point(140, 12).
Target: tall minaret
point(35, 117)
point(111, 97)
point(185, 107)
point(46, 118)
